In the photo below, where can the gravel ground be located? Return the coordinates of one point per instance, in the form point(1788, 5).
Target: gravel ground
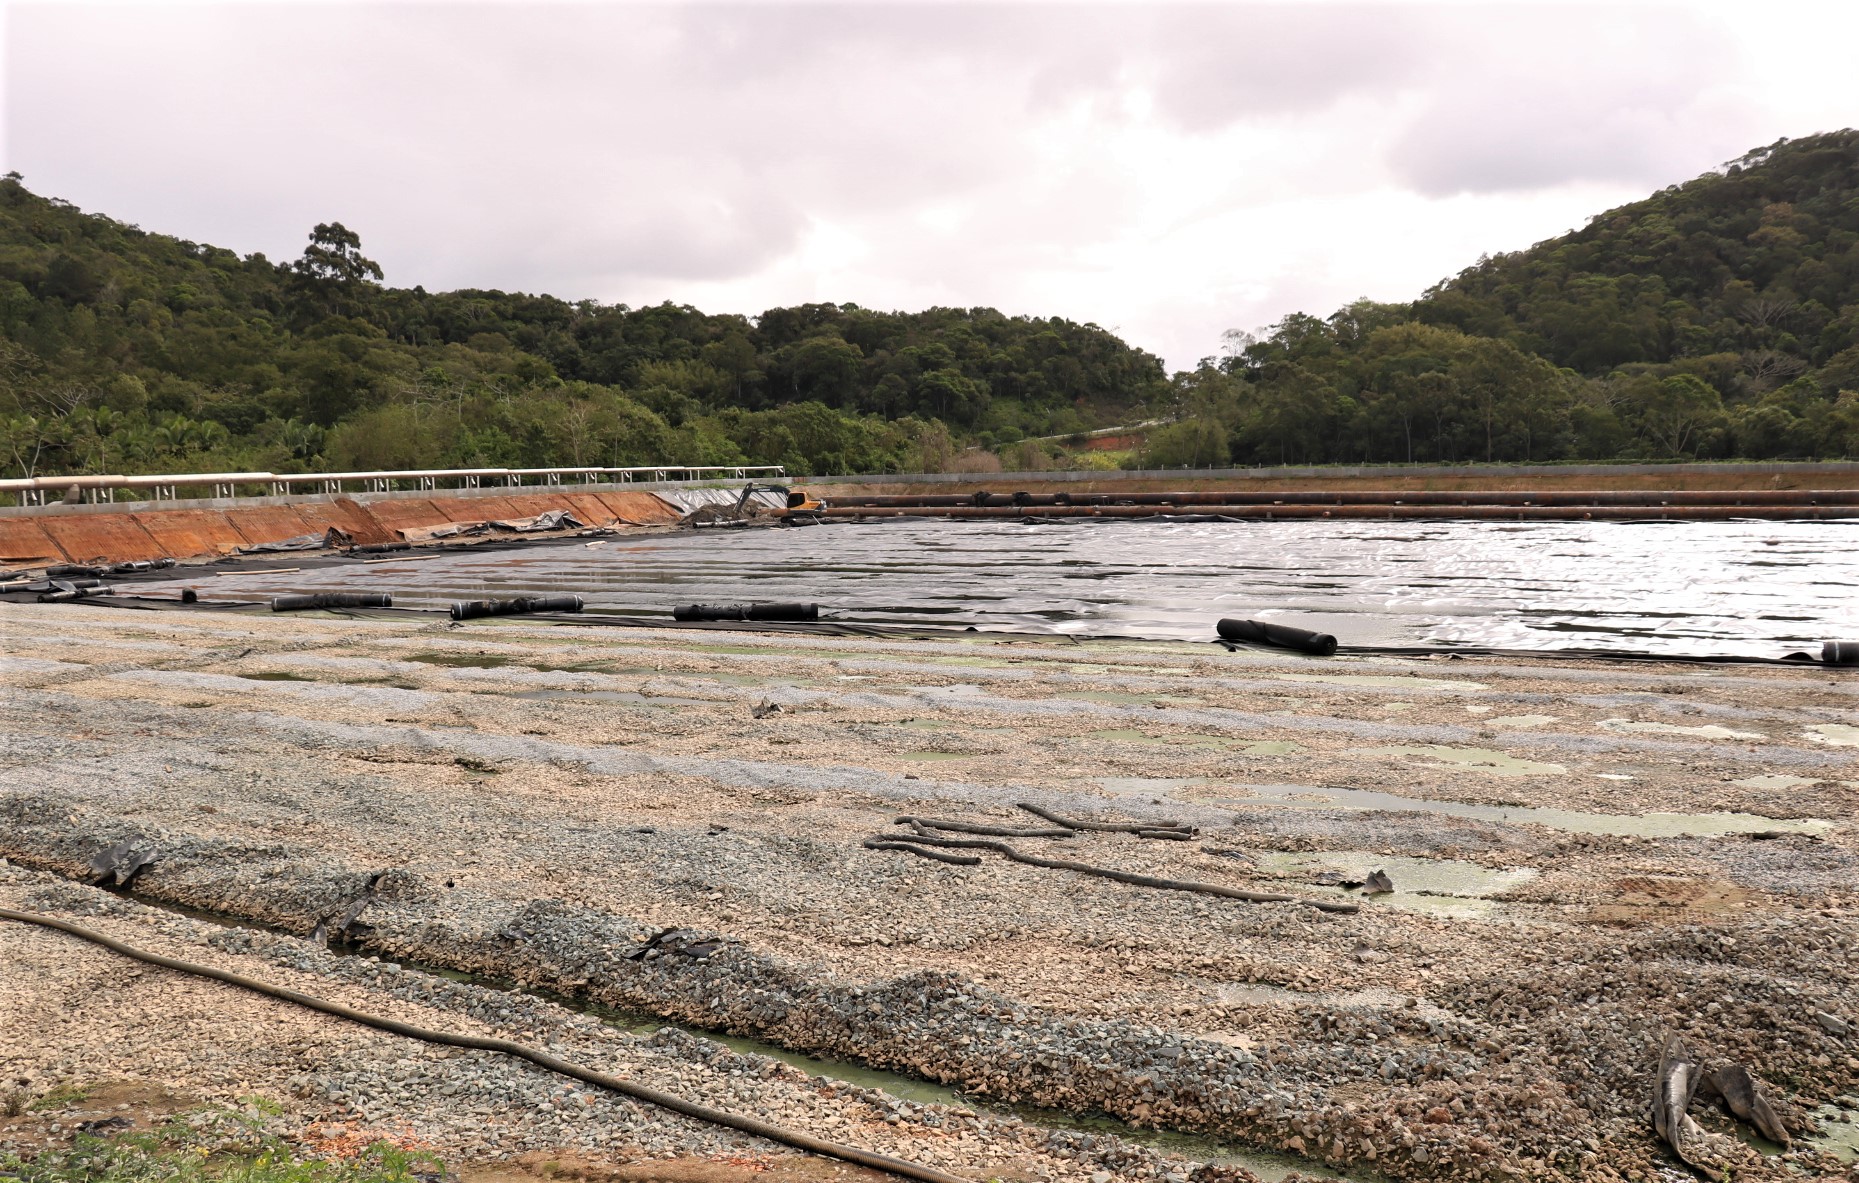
point(540, 803)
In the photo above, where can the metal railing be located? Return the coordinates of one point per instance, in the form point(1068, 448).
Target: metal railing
point(228, 485)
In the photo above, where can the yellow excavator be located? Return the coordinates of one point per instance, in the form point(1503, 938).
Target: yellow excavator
point(803, 509)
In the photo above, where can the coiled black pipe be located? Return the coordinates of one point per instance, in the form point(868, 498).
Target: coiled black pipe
point(331, 600)
point(1840, 652)
point(1284, 636)
point(521, 606)
point(746, 612)
point(536, 1056)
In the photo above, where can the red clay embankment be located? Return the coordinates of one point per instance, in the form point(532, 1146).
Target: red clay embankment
point(115, 536)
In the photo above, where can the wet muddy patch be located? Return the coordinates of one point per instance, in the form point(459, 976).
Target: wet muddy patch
point(1442, 887)
point(1646, 825)
point(1485, 760)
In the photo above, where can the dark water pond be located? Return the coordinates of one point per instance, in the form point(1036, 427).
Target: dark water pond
point(1751, 588)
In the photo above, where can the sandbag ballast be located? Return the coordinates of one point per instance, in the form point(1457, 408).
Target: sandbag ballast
point(746, 612)
point(521, 606)
point(1284, 636)
point(331, 600)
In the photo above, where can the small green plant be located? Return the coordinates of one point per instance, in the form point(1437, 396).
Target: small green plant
point(62, 1097)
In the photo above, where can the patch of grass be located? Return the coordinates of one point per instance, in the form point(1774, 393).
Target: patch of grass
point(159, 1158)
point(62, 1097)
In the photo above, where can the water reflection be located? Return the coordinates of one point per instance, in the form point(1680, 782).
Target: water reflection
point(1721, 587)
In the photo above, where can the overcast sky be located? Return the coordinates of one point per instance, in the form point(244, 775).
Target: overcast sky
point(1168, 172)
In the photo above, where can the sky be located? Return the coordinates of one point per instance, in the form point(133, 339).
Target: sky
point(1170, 172)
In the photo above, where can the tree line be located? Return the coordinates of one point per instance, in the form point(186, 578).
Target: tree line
point(1716, 319)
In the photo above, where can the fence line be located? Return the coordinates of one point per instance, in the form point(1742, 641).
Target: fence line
point(228, 485)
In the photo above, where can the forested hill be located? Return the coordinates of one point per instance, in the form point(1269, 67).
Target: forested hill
point(129, 351)
point(1717, 318)
point(1756, 268)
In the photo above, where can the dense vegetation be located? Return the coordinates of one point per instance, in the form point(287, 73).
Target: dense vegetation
point(126, 351)
point(1719, 318)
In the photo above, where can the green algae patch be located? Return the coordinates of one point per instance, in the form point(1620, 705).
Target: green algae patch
point(1384, 680)
point(1271, 747)
point(1702, 731)
point(1212, 742)
point(1111, 696)
point(1839, 1132)
point(475, 661)
point(1487, 760)
point(1642, 825)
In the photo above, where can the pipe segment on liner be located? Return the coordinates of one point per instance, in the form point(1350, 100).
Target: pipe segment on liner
point(1840, 652)
point(1284, 636)
point(331, 600)
point(746, 612)
point(521, 606)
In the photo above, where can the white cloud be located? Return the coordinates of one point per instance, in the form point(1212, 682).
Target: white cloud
point(1169, 172)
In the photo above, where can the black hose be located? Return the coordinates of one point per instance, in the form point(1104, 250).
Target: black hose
point(978, 828)
point(1840, 652)
point(1284, 636)
point(1172, 830)
point(941, 856)
point(536, 1056)
point(923, 838)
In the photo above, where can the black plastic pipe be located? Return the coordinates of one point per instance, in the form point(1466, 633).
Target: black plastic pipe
point(1284, 636)
point(521, 606)
point(746, 612)
point(1840, 652)
point(331, 600)
point(537, 1056)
